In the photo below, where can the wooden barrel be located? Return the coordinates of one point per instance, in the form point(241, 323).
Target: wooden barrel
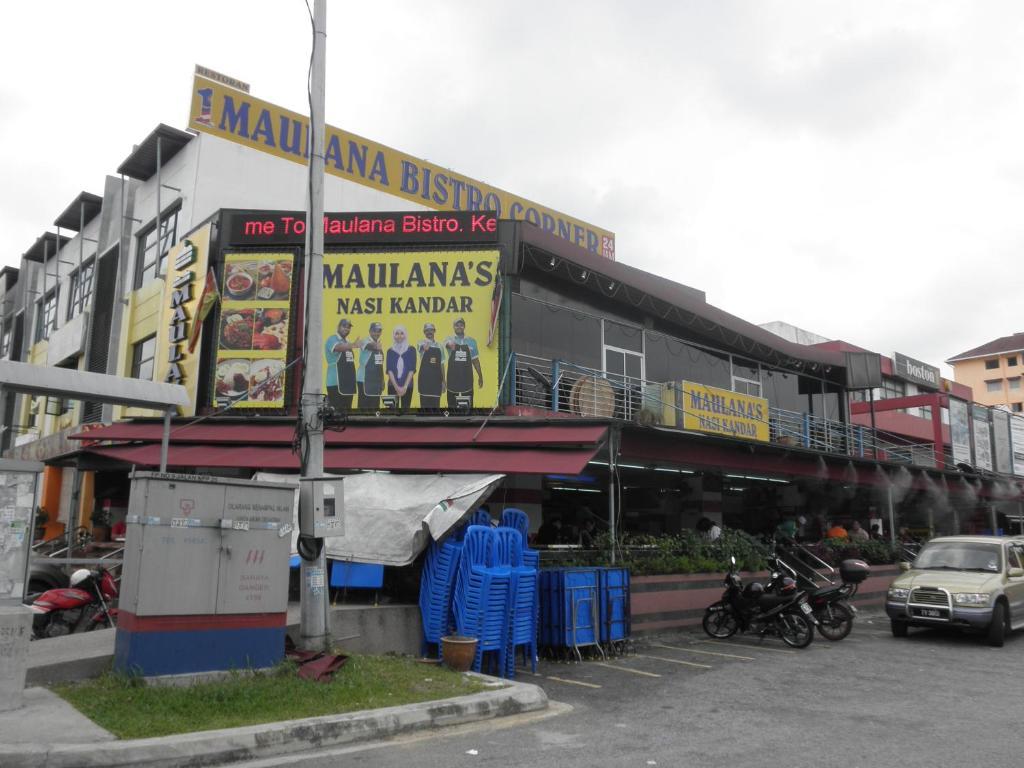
point(592, 396)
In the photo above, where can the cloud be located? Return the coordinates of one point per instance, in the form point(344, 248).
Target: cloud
point(840, 88)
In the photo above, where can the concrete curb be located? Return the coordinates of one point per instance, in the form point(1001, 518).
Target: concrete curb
point(288, 737)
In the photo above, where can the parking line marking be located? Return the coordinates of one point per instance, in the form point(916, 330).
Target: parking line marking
point(745, 645)
point(674, 661)
point(572, 682)
point(704, 653)
point(626, 669)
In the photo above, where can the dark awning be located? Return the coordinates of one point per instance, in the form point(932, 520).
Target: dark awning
point(82, 209)
point(141, 163)
point(46, 245)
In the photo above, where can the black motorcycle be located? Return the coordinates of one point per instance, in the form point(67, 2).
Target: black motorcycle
point(830, 603)
point(751, 609)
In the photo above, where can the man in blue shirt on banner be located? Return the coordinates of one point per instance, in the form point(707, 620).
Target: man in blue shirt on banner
point(463, 359)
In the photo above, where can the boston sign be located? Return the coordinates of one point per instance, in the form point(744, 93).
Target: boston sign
point(909, 369)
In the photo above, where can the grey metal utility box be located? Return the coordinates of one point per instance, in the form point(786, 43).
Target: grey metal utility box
point(199, 545)
point(205, 575)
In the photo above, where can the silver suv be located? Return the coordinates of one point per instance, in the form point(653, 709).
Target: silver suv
point(969, 582)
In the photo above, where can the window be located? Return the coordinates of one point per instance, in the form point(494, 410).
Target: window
point(81, 289)
point(746, 377)
point(992, 365)
point(1011, 360)
point(143, 355)
point(151, 250)
point(46, 315)
point(1012, 557)
point(1014, 382)
point(994, 385)
point(5, 339)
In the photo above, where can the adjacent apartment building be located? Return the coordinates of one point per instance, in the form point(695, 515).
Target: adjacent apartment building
point(993, 371)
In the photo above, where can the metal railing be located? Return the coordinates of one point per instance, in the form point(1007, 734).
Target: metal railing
point(564, 387)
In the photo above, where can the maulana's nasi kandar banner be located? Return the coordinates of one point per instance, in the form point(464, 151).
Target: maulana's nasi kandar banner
point(411, 330)
point(723, 412)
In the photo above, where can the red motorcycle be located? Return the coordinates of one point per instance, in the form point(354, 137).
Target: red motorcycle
point(82, 607)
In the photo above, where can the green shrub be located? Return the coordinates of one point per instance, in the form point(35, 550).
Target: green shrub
point(686, 552)
point(874, 552)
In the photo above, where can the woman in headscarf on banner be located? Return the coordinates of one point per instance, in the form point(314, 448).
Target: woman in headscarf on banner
point(400, 366)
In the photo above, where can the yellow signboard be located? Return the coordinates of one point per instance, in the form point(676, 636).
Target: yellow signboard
point(410, 330)
point(726, 413)
point(253, 336)
point(186, 272)
point(223, 111)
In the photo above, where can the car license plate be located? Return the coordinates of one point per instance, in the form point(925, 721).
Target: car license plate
point(805, 608)
point(930, 613)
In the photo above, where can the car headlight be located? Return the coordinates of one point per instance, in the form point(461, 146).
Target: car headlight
point(898, 593)
point(971, 598)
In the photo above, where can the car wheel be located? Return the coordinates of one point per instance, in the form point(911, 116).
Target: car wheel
point(899, 628)
point(997, 629)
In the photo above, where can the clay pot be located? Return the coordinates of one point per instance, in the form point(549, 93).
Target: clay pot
point(458, 652)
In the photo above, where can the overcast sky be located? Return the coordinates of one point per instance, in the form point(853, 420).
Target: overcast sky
point(852, 168)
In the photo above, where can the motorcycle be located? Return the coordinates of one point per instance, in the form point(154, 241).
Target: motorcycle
point(751, 608)
point(82, 607)
point(830, 603)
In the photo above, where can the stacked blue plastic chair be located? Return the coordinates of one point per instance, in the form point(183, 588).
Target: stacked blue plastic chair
point(522, 627)
point(481, 598)
point(437, 582)
point(516, 518)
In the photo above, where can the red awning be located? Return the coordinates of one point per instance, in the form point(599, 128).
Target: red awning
point(356, 434)
point(540, 448)
point(457, 459)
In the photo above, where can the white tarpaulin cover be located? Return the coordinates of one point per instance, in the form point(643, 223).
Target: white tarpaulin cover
point(390, 518)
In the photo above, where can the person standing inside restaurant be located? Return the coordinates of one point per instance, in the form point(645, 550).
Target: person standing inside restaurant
point(463, 359)
point(401, 367)
point(430, 381)
point(341, 368)
point(370, 376)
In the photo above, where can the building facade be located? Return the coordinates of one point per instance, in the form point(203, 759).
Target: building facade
point(994, 371)
point(465, 329)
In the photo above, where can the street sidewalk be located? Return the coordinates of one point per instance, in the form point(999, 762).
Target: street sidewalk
point(49, 732)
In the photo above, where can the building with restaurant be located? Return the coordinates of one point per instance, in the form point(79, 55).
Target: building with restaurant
point(465, 330)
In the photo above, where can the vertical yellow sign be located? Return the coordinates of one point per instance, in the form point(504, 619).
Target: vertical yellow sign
point(187, 263)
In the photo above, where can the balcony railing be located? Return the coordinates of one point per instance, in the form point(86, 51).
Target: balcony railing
point(563, 387)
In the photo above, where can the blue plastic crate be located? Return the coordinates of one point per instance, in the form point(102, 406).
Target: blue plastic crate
point(356, 575)
point(615, 604)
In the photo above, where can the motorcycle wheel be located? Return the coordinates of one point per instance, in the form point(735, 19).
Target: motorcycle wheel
point(91, 624)
point(795, 629)
point(834, 621)
point(719, 623)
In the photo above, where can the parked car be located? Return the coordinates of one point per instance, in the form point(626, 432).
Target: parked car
point(967, 582)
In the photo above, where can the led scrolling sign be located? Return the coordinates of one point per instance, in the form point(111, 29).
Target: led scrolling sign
point(289, 227)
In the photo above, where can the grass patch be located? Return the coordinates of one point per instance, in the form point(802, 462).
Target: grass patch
point(130, 709)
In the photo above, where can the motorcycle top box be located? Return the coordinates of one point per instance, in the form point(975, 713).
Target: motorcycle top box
point(854, 571)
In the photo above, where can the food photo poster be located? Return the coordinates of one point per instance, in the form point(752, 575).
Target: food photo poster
point(253, 333)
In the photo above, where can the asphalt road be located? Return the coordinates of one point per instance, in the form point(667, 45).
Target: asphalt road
point(933, 699)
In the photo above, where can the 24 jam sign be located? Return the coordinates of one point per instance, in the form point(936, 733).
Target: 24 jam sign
point(289, 227)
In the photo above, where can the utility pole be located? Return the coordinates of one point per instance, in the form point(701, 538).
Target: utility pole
point(313, 625)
